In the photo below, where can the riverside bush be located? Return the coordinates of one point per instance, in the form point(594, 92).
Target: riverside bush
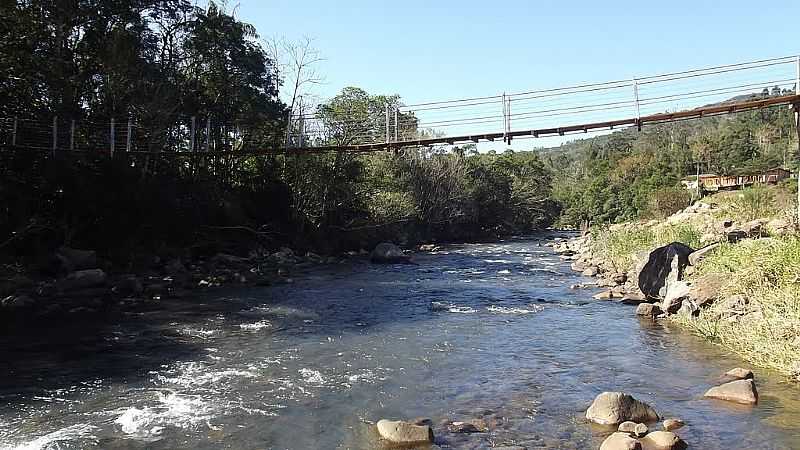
point(667, 201)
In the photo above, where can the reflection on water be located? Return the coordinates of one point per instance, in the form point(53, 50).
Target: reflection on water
point(488, 332)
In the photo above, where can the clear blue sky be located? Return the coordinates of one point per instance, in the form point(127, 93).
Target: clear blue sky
point(432, 50)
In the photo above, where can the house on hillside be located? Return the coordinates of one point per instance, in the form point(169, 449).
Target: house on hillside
point(713, 182)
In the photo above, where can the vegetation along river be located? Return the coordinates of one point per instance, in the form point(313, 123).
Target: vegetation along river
point(313, 364)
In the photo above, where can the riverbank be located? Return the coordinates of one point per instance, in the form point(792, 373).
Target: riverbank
point(77, 281)
point(737, 284)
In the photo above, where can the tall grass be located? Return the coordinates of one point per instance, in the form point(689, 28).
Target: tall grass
point(767, 272)
point(754, 202)
point(621, 245)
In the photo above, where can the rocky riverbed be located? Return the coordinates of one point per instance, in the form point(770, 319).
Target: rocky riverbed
point(482, 346)
point(77, 281)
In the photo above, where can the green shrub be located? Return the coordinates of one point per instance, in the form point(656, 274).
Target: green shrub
point(667, 201)
point(754, 202)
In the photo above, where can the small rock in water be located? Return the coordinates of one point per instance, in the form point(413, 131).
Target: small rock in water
point(672, 424)
point(82, 279)
point(422, 421)
point(632, 299)
point(633, 428)
point(620, 441)
point(388, 253)
point(611, 408)
point(608, 295)
point(16, 302)
point(438, 306)
point(738, 374)
point(662, 440)
point(648, 309)
point(590, 271)
point(739, 391)
point(404, 432)
point(463, 427)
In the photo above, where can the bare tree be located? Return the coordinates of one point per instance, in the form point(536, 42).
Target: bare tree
point(297, 62)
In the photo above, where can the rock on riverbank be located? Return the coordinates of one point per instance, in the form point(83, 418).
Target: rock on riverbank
point(79, 281)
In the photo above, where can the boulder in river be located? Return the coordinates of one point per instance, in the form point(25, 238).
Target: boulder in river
point(613, 408)
point(672, 424)
point(17, 302)
point(739, 391)
point(128, 285)
point(633, 428)
point(72, 259)
point(400, 432)
point(82, 279)
point(388, 253)
point(466, 427)
point(620, 441)
point(662, 440)
point(175, 268)
point(607, 295)
point(738, 373)
point(664, 266)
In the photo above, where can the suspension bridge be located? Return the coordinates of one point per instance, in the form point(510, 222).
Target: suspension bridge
point(507, 117)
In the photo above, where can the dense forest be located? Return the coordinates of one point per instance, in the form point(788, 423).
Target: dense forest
point(630, 174)
point(160, 62)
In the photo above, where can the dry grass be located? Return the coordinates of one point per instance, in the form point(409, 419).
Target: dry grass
point(620, 245)
point(767, 272)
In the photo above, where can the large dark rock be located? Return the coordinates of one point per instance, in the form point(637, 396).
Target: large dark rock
point(387, 253)
point(664, 265)
point(66, 260)
point(82, 279)
point(17, 302)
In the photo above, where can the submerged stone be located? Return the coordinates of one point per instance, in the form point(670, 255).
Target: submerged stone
point(388, 253)
point(404, 432)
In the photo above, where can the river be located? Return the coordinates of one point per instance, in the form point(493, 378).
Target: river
point(312, 364)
